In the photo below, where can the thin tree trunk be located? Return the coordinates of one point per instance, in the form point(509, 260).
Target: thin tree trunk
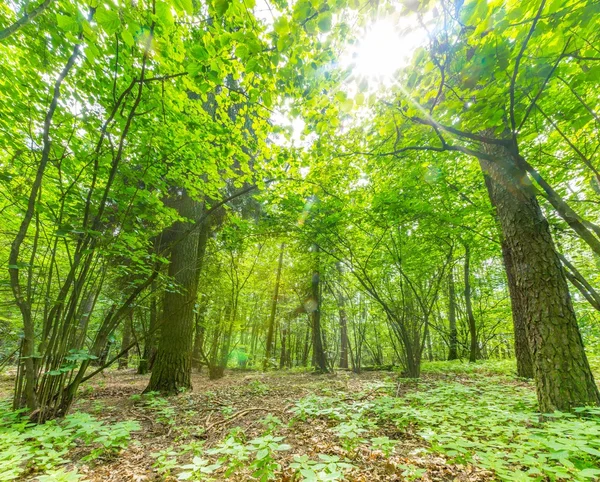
point(341, 299)
point(319, 354)
point(126, 341)
point(474, 347)
point(150, 342)
point(453, 335)
point(269, 347)
point(577, 279)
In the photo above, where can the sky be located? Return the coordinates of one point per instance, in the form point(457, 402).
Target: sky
point(382, 46)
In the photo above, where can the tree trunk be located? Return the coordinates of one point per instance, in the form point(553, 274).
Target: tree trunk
point(561, 369)
point(474, 348)
point(149, 354)
point(199, 338)
point(171, 372)
point(269, 347)
point(126, 341)
point(284, 347)
point(341, 299)
point(522, 352)
point(319, 354)
point(453, 332)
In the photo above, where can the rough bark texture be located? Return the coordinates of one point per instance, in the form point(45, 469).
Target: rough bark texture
point(171, 372)
point(522, 353)
point(521, 344)
point(561, 369)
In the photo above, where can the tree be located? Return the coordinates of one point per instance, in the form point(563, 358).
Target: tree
point(171, 371)
point(269, 345)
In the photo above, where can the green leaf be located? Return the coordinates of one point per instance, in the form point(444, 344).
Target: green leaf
point(221, 6)
point(67, 23)
point(127, 38)
point(164, 14)
point(184, 6)
point(324, 21)
point(109, 20)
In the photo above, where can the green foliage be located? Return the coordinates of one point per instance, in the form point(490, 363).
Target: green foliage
point(199, 469)
point(327, 468)
point(384, 444)
point(486, 419)
point(162, 410)
point(271, 423)
point(60, 475)
point(494, 424)
point(264, 465)
point(27, 446)
point(256, 387)
point(350, 434)
point(166, 461)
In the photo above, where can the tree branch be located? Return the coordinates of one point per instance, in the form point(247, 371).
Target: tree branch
point(24, 20)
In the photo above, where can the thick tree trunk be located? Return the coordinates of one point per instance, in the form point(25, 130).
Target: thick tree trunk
point(453, 332)
point(561, 369)
point(474, 346)
point(522, 353)
point(171, 372)
point(521, 344)
point(269, 347)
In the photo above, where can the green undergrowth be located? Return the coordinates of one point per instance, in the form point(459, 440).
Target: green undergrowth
point(41, 451)
point(484, 419)
point(462, 367)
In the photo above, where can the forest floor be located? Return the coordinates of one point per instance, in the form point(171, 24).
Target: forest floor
point(460, 422)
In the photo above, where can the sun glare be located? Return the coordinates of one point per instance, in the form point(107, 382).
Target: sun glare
point(386, 46)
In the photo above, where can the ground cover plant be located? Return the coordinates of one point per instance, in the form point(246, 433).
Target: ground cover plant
point(459, 422)
point(299, 240)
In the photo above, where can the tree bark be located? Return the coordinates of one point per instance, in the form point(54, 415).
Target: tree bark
point(149, 354)
point(171, 372)
point(561, 369)
point(521, 344)
point(453, 332)
point(126, 341)
point(341, 299)
point(269, 347)
point(522, 352)
point(319, 354)
point(474, 347)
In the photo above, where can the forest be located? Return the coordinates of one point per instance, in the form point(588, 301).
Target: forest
point(299, 240)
